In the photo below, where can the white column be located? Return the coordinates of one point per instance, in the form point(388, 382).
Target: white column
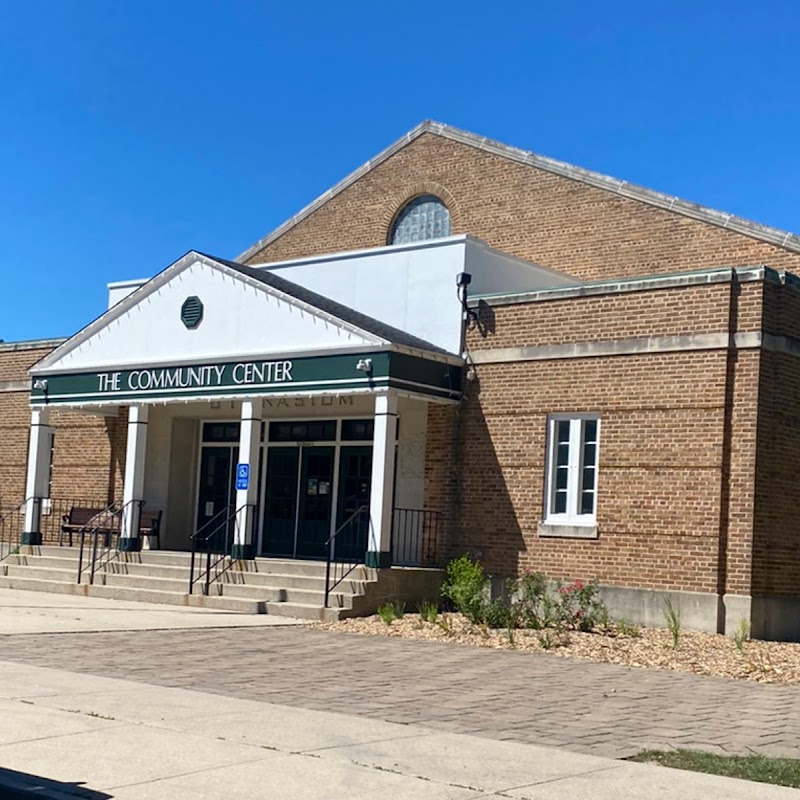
point(379, 548)
point(133, 487)
point(246, 499)
point(38, 474)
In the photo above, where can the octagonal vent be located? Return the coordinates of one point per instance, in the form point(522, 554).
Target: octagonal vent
point(191, 312)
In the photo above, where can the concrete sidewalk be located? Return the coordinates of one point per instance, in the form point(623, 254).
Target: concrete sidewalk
point(39, 612)
point(121, 739)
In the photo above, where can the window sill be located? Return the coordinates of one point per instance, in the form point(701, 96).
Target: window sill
point(550, 530)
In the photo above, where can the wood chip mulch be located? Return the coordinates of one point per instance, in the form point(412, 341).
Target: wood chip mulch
point(700, 653)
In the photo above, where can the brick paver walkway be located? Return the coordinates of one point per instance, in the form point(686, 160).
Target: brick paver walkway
point(603, 709)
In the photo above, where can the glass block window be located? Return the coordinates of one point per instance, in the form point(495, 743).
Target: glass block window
point(572, 469)
point(424, 217)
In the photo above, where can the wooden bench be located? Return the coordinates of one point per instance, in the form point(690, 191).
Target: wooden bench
point(83, 517)
point(150, 526)
point(107, 522)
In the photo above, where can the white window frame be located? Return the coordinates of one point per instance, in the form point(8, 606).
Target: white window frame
point(571, 522)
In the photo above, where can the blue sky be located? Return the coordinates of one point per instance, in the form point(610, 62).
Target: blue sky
point(131, 132)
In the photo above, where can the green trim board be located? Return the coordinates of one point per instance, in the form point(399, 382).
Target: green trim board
point(333, 373)
point(243, 552)
point(378, 560)
point(129, 544)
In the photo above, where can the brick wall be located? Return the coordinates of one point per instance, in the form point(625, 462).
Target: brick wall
point(675, 488)
point(535, 215)
point(691, 442)
point(776, 550)
point(88, 460)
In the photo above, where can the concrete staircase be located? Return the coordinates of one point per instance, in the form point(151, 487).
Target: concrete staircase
point(264, 586)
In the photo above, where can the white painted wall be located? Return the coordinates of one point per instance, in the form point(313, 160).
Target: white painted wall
point(494, 272)
point(411, 287)
point(238, 320)
point(410, 473)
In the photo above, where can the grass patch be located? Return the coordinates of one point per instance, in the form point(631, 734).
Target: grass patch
point(778, 771)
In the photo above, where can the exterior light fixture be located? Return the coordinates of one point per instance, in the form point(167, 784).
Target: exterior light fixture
point(364, 365)
point(463, 280)
point(40, 383)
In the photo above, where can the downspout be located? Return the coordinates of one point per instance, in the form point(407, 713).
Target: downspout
point(727, 444)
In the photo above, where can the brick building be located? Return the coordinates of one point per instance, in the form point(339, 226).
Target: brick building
point(609, 393)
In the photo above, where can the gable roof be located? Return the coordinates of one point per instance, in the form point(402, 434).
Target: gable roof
point(765, 233)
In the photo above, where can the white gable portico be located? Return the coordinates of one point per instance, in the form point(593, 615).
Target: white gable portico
point(240, 317)
point(252, 397)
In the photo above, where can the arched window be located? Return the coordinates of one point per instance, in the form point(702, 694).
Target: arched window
point(424, 217)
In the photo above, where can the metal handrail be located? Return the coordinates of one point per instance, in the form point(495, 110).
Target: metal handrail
point(110, 551)
point(207, 540)
point(100, 524)
point(416, 537)
point(330, 546)
point(7, 525)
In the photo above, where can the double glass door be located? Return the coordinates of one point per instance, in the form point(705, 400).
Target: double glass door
point(304, 497)
point(299, 494)
point(298, 500)
point(216, 493)
point(352, 510)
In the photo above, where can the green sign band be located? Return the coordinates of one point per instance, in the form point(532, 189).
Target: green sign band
point(303, 375)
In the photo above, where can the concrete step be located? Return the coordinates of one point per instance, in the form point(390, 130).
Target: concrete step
point(42, 573)
point(50, 551)
point(222, 603)
point(40, 585)
point(278, 586)
point(162, 558)
point(243, 606)
point(51, 568)
point(177, 559)
point(288, 581)
point(134, 568)
point(144, 582)
point(283, 595)
point(44, 561)
point(275, 592)
point(303, 611)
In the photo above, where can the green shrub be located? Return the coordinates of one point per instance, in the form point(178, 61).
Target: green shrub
point(579, 608)
point(741, 635)
point(533, 604)
point(498, 614)
point(672, 616)
point(428, 612)
point(399, 609)
point(531, 601)
point(625, 628)
point(466, 586)
point(387, 613)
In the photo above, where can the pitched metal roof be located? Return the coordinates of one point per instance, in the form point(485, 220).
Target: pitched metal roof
point(765, 233)
point(328, 306)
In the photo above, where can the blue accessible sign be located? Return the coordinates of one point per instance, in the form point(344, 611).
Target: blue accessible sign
point(242, 476)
